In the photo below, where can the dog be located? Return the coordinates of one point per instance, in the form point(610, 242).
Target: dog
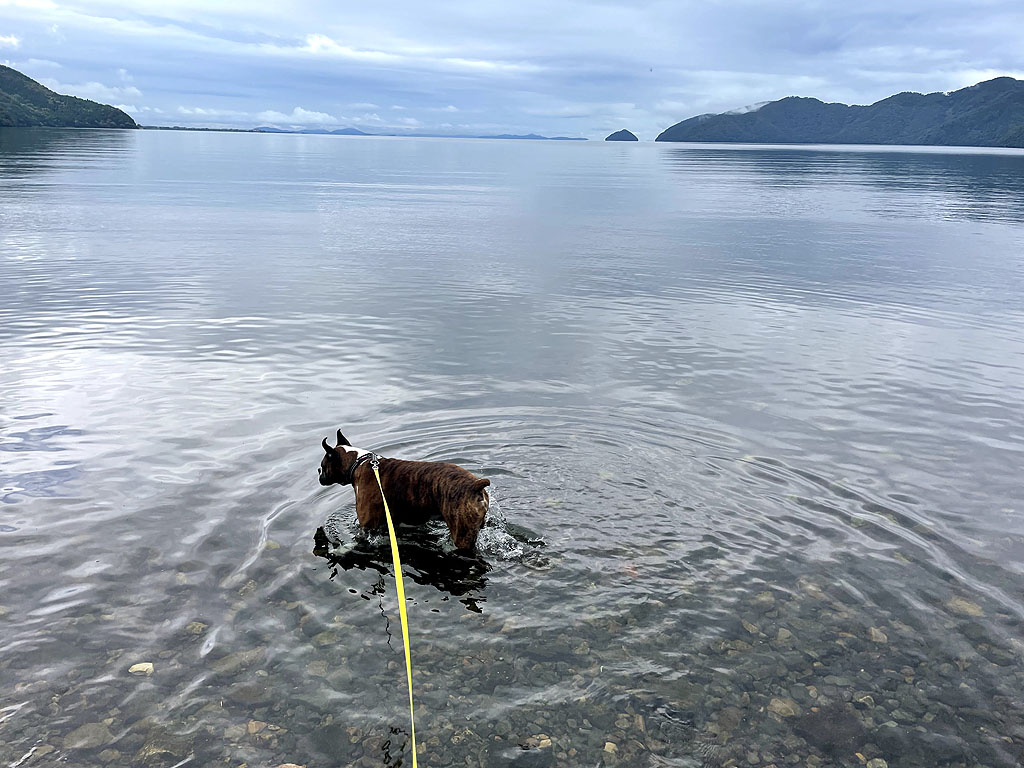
point(416, 490)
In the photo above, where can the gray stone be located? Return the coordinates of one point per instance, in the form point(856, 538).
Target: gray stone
point(964, 607)
point(249, 693)
point(331, 739)
point(502, 753)
point(162, 746)
point(784, 707)
point(801, 694)
point(940, 749)
point(834, 729)
point(842, 682)
point(88, 736)
point(959, 696)
point(233, 662)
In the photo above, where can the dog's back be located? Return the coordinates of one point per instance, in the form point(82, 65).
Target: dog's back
point(420, 490)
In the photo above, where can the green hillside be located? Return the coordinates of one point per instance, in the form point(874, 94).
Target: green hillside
point(989, 114)
point(24, 102)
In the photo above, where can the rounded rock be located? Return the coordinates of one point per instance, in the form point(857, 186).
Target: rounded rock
point(88, 736)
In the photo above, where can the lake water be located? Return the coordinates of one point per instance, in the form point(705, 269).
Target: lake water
point(752, 416)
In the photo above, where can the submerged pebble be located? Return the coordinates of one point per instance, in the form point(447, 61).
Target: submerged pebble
point(88, 736)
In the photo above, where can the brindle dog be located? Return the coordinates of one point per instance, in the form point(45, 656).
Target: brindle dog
point(416, 490)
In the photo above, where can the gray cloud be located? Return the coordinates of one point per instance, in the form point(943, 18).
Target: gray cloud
point(579, 68)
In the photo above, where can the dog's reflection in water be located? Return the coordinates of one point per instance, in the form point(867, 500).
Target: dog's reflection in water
point(456, 573)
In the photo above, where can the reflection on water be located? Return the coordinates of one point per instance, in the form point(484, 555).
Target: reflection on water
point(453, 572)
point(762, 408)
point(429, 557)
point(29, 153)
point(950, 184)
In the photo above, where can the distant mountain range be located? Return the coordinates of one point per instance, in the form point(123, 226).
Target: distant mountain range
point(337, 132)
point(25, 103)
point(989, 114)
point(357, 132)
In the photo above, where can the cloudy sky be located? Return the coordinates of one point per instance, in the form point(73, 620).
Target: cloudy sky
point(575, 67)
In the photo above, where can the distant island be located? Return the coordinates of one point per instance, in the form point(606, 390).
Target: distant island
point(989, 114)
point(25, 103)
point(622, 135)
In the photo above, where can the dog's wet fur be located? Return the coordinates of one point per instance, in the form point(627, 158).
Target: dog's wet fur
point(416, 491)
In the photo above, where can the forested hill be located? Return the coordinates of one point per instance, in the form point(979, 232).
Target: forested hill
point(24, 102)
point(989, 114)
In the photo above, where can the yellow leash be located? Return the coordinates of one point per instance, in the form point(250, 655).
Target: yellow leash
point(401, 601)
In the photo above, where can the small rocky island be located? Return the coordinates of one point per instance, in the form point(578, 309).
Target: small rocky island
point(622, 135)
point(24, 103)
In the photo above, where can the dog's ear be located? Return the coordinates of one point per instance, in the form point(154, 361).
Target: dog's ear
point(342, 440)
point(327, 448)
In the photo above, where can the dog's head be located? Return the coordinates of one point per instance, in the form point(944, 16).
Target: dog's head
point(465, 526)
point(337, 461)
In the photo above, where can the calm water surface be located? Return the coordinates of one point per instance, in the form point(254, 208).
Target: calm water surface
point(753, 419)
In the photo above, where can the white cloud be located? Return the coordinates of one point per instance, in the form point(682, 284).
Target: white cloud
point(323, 46)
point(298, 116)
point(575, 110)
point(131, 109)
point(965, 77)
point(208, 112)
point(9, 41)
point(672, 107)
point(36, 65)
point(92, 90)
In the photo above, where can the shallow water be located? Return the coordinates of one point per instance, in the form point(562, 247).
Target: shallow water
point(752, 416)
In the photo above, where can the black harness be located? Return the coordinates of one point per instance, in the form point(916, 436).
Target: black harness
point(350, 476)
